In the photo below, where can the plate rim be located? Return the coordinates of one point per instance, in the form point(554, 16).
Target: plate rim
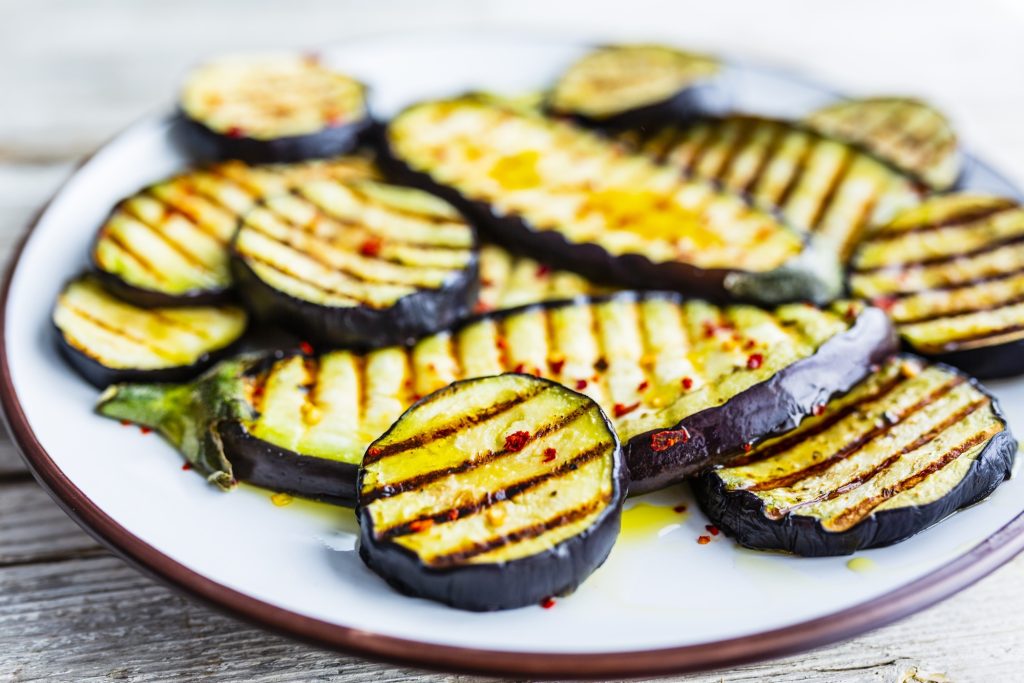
point(963, 571)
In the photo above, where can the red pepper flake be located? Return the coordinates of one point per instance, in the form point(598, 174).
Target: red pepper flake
point(373, 451)
point(642, 386)
point(516, 441)
point(681, 508)
point(306, 348)
point(543, 270)
point(126, 423)
point(486, 282)
point(750, 344)
point(851, 311)
point(547, 603)
point(819, 409)
point(549, 454)
point(335, 118)
point(420, 524)
point(145, 430)
point(453, 515)
point(712, 529)
point(519, 368)
point(581, 384)
point(235, 132)
point(481, 307)
point(687, 383)
point(886, 303)
point(709, 330)
point(502, 344)
point(662, 441)
point(371, 247)
point(186, 467)
point(748, 446)
point(557, 365)
point(703, 540)
point(619, 409)
point(754, 361)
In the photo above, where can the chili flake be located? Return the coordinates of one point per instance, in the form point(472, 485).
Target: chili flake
point(549, 454)
point(557, 365)
point(421, 524)
point(619, 409)
point(754, 361)
point(516, 441)
point(681, 508)
point(145, 430)
point(547, 603)
point(642, 386)
point(481, 307)
point(747, 447)
point(306, 348)
point(235, 132)
point(371, 247)
point(543, 270)
point(581, 384)
point(819, 409)
point(662, 441)
point(703, 540)
point(186, 467)
point(453, 515)
point(687, 383)
point(712, 529)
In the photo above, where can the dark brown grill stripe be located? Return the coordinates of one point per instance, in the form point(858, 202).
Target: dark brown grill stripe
point(827, 422)
point(249, 256)
point(421, 480)
point(952, 343)
point(767, 155)
point(936, 260)
point(493, 497)
point(117, 331)
point(852, 447)
point(799, 171)
point(963, 219)
point(862, 479)
point(838, 178)
point(852, 516)
point(202, 191)
point(963, 310)
point(952, 287)
point(191, 215)
point(162, 235)
point(427, 218)
point(745, 129)
point(132, 254)
point(519, 535)
point(490, 412)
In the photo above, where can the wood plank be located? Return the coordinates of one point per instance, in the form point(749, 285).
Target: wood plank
point(33, 529)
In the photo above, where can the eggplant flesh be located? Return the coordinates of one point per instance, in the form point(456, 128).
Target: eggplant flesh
point(547, 187)
point(492, 493)
point(508, 280)
point(107, 340)
point(907, 447)
point(272, 109)
point(911, 134)
point(950, 274)
point(167, 245)
point(638, 85)
point(830, 189)
point(357, 263)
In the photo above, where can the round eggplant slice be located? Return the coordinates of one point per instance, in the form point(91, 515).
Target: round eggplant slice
point(508, 280)
point(910, 134)
point(107, 340)
point(357, 263)
point(686, 384)
point(830, 189)
point(273, 108)
point(167, 245)
point(547, 187)
point(493, 493)
point(950, 273)
point(638, 85)
point(904, 449)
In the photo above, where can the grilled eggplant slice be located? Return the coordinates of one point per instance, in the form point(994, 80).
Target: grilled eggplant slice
point(493, 493)
point(950, 273)
point(273, 108)
point(637, 85)
point(911, 134)
point(107, 340)
point(906, 448)
point(509, 280)
point(686, 384)
point(550, 188)
point(167, 245)
point(357, 263)
point(822, 186)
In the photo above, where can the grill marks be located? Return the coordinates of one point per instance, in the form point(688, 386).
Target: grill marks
point(950, 273)
point(508, 280)
point(818, 184)
point(890, 435)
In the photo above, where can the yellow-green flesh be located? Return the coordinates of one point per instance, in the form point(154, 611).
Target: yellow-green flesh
point(508, 280)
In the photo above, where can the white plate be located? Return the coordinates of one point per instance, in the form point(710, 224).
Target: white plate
point(661, 603)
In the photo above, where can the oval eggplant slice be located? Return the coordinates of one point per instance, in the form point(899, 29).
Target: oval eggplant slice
point(357, 263)
point(950, 273)
point(822, 186)
point(636, 85)
point(509, 280)
point(906, 448)
point(493, 493)
point(550, 188)
point(107, 340)
point(273, 108)
point(167, 245)
point(911, 134)
point(686, 384)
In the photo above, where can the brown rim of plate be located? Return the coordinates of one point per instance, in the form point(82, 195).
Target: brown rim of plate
point(915, 596)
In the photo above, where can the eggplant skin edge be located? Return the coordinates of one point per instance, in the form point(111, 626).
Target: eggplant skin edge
point(766, 409)
point(101, 376)
point(321, 144)
point(423, 312)
point(151, 298)
point(557, 571)
point(741, 514)
point(706, 97)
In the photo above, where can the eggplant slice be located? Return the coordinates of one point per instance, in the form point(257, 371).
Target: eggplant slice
point(107, 340)
point(912, 135)
point(906, 448)
point(820, 185)
point(950, 273)
point(167, 245)
point(635, 85)
point(273, 108)
point(687, 384)
point(509, 280)
point(357, 263)
point(492, 493)
point(548, 187)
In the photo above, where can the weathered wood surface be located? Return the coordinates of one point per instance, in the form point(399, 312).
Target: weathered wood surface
point(72, 73)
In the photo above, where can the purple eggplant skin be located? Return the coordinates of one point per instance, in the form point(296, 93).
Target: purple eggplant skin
point(101, 376)
point(332, 141)
point(741, 514)
point(772, 407)
point(557, 571)
point(986, 362)
point(261, 463)
point(149, 298)
point(412, 316)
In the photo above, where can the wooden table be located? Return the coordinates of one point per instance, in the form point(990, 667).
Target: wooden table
point(71, 74)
